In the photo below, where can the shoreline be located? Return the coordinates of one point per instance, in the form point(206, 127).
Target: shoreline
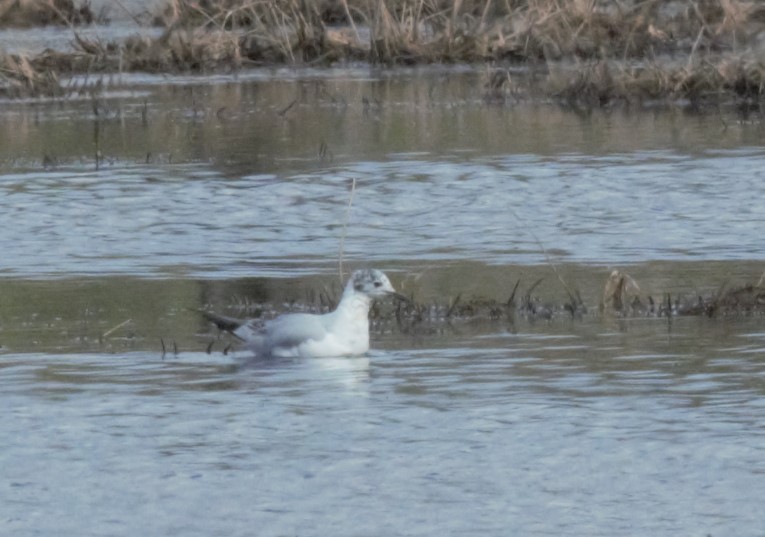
point(579, 54)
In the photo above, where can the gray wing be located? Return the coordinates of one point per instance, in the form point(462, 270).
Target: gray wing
point(251, 331)
point(293, 329)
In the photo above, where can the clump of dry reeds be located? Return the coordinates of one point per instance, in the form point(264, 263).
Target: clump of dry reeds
point(181, 51)
point(279, 31)
point(27, 13)
point(19, 77)
point(622, 297)
point(595, 52)
point(391, 31)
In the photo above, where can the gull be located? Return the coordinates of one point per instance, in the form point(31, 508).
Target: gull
point(342, 332)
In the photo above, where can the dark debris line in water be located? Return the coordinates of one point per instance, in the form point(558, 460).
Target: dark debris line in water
point(621, 299)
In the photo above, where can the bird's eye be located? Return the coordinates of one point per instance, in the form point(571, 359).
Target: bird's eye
point(378, 284)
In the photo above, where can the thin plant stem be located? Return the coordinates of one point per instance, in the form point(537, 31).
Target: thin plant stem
point(345, 230)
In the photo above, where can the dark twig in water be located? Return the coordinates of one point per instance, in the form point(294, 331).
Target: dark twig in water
point(453, 306)
point(713, 306)
point(511, 300)
point(283, 111)
point(48, 162)
point(97, 137)
point(569, 291)
point(324, 152)
point(667, 306)
point(528, 304)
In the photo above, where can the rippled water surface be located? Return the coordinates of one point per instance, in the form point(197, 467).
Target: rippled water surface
point(562, 430)
point(227, 180)
point(231, 192)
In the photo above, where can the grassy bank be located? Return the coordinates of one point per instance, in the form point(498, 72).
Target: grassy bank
point(582, 52)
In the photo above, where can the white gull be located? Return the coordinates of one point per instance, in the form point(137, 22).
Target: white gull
point(342, 332)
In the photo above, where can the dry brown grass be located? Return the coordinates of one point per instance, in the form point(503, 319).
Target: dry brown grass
point(423, 31)
point(279, 31)
point(622, 297)
point(703, 83)
point(403, 31)
point(20, 78)
point(26, 13)
point(597, 52)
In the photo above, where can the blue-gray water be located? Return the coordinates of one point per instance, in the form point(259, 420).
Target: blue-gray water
point(217, 193)
point(612, 210)
point(563, 430)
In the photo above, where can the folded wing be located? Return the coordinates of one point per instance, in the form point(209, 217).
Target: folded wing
point(280, 336)
point(294, 329)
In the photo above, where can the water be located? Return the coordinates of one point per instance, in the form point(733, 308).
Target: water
point(550, 431)
point(230, 179)
point(216, 192)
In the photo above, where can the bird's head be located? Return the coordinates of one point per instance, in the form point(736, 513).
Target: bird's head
point(373, 283)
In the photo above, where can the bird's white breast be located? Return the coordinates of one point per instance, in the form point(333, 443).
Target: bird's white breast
point(347, 334)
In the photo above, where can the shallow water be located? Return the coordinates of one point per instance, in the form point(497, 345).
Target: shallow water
point(215, 192)
point(226, 179)
point(563, 430)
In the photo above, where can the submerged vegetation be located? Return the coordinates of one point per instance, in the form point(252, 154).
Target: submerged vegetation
point(622, 298)
point(588, 53)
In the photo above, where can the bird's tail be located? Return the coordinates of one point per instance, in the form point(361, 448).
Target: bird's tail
point(229, 324)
